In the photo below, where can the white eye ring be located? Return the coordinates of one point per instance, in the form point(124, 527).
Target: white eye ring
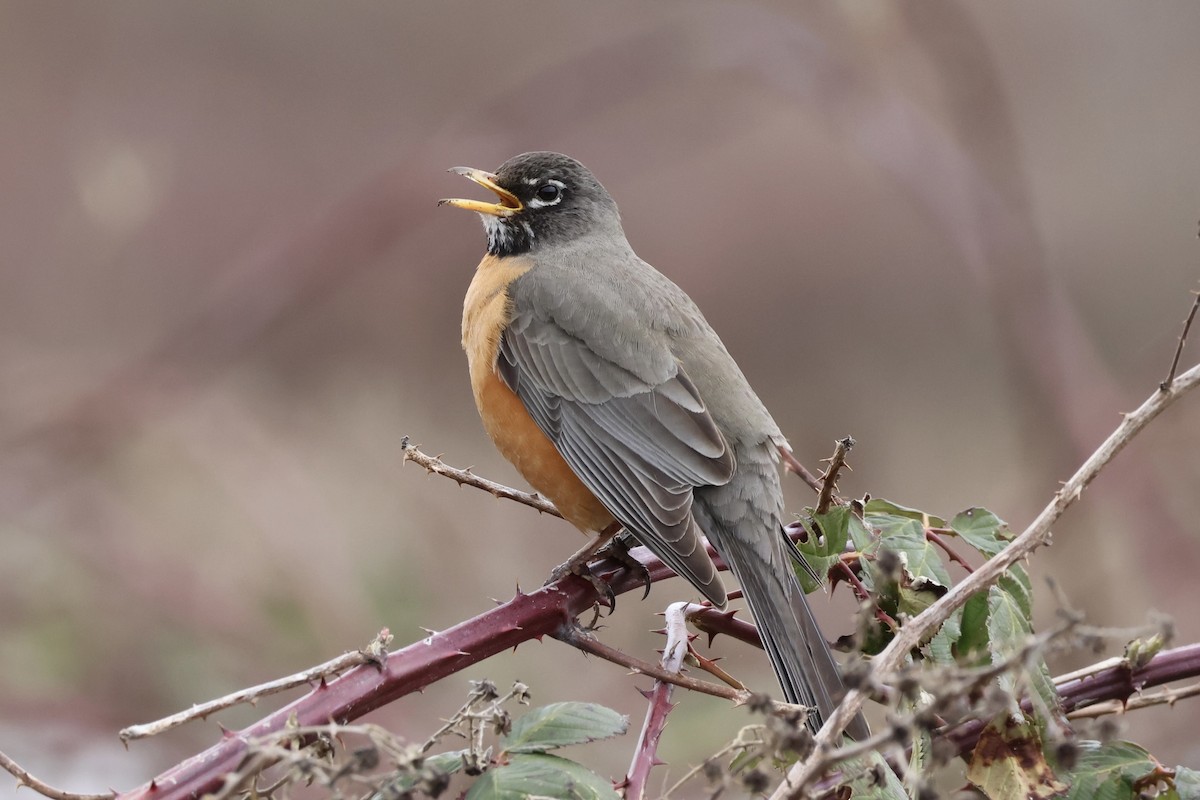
point(548, 194)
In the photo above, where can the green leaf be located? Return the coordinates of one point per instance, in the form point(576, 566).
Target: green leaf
point(921, 750)
point(917, 597)
point(921, 558)
point(903, 530)
point(974, 639)
point(864, 541)
point(562, 724)
point(1109, 771)
point(873, 779)
point(835, 525)
point(1015, 581)
point(445, 763)
point(879, 508)
point(1008, 631)
point(1007, 763)
point(859, 533)
point(941, 647)
point(745, 761)
point(541, 776)
point(822, 553)
point(1187, 783)
point(983, 530)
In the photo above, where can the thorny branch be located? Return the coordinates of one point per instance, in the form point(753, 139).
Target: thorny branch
point(24, 778)
point(829, 477)
point(462, 477)
point(1187, 326)
point(580, 639)
point(374, 653)
point(792, 464)
point(804, 773)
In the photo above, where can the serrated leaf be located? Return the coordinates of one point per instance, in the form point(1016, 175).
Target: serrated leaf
point(974, 638)
point(562, 724)
point(865, 541)
point(540, 775)
point(921, 746)
point(822, 553)
point(940, 649)
point(872, 778)
point(859, 533)
point(1187, 783)
point(1109, 771)
point(745, 761)
point(1008, 631)
point(835, 525)
point(1015, 581)
point(921, 558)
point(879, 508)
point(983, 530)
point(447, 763)
point(1007, 763)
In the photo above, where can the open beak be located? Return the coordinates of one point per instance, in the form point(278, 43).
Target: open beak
point(508, 205)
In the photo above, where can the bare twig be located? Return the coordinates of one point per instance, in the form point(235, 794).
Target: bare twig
point(910, 636)
point(576, 637)
point(1165, 697)
point(462, 477)
point(372, 653)
point(1187, 326)
point(792, 464)
point(41, 787)
point(828, 494)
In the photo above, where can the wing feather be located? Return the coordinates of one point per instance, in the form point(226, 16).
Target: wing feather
point(640, 446)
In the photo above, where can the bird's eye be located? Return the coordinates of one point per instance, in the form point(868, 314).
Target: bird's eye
point(549, 192)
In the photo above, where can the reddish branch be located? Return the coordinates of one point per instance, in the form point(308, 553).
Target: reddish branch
point(1118, 682)
point(934, 535)
point(410, 669)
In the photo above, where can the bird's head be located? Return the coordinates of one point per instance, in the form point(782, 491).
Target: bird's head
point(544, 199)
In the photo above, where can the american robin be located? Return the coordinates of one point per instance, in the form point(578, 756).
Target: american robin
point(601, 381)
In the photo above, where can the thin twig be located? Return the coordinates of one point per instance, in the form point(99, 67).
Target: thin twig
point(791, 464)
point(24, 778)
point(864, 594)
point(576, 637)
point(828, 494)
point(435, 465)
point(1187, 326)
point(372, 653)
point(910, 636)
point(934, 535)
point(1165, 697)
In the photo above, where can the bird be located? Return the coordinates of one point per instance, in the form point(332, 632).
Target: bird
point(601, 381)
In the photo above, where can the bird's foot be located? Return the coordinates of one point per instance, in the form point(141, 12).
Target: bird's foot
point(618, 550)
point(583, 570)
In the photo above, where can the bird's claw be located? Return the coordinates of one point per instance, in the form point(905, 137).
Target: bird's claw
point(607, 595)
point(618, 550)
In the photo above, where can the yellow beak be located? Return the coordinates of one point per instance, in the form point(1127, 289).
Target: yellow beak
point(508, 205)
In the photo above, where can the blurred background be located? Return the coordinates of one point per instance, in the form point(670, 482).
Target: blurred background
point(963, 233)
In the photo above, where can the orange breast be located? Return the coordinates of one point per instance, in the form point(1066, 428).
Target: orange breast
point(486, 312)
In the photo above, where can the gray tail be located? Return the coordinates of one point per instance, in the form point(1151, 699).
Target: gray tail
point(754, 550)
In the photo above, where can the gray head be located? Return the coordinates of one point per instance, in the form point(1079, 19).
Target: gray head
point(545, 199)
